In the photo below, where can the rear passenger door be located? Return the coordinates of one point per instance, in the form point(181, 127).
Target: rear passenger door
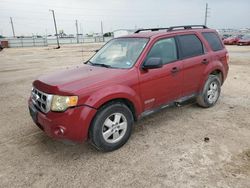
point(194, 59)
point(219, 51)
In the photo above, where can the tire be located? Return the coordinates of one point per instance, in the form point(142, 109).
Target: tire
point(210, 93)
point(111, 127)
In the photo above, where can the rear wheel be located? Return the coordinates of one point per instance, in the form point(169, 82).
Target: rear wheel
point(112, 126)
point(210, 93)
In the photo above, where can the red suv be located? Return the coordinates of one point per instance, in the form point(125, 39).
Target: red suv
point(128, 78)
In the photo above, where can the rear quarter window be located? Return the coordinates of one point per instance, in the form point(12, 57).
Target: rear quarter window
point(190, 46)
point(213, 40)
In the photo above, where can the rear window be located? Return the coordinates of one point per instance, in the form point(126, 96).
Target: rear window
point(190, 46)
point(213, 40)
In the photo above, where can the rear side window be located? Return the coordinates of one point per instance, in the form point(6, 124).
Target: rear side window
point(213, 40)
point(190, 46)
point(164, 49)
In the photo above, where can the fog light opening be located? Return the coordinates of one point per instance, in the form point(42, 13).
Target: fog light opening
point(60, 131)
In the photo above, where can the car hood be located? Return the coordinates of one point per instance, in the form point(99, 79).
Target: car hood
point(69, 81)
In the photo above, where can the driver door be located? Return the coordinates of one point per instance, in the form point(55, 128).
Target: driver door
point(162, 85)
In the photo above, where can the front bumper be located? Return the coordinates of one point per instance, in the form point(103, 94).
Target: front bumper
point(73, 124)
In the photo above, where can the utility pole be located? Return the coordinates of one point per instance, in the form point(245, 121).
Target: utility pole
point(81, 29)
point(206, 15)
point(53, 13)
point(102, 31)
point(12, 26)
point(101, 28)
point(77, 34)
point(81, 32)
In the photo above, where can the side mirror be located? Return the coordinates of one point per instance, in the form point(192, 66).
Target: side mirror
point(153, 63)
point(96, 50)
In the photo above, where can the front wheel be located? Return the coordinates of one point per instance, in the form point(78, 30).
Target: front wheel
point(111, 127)
point(210, 93)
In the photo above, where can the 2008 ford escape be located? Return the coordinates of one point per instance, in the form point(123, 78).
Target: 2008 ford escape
point(128, 78)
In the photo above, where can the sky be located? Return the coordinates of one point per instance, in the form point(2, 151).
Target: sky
point(33, 16)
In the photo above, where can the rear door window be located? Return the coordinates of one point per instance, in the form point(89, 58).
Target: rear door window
point(213, 40)
point(190, 46)
point(164, 49)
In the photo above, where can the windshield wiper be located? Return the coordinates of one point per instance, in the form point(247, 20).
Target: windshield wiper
point(98, 64)
point(101, 65)
point(88, 62)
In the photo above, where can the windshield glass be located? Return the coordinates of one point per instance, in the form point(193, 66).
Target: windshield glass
point(246, 37)
point(120, 53)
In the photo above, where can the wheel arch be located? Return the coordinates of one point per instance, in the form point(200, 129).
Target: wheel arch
point(218, 73)
point(125, 94)
point(125, 101)
point(216, 70)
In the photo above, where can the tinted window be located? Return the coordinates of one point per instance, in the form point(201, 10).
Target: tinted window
point(165, 49)
point(213, 40)
point(190, 45)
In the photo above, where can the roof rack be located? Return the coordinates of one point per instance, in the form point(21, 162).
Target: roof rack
point(172, 28)
point(186, 27)
point(151, 29)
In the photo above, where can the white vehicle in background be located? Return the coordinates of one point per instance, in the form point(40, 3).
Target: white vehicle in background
point(51, 37)
point(122, 32)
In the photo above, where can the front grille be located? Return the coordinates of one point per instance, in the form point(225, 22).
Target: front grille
point(41, 100)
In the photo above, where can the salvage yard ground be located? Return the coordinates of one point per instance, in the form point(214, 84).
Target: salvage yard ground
point(166, 149)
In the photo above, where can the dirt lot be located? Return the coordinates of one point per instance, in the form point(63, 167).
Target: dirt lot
point(166, 149)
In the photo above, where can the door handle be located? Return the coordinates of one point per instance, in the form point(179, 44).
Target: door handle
point(174, 69)
point(205, 61)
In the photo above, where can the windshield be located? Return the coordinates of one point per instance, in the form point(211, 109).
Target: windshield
point(246, 37)
point(120, 53)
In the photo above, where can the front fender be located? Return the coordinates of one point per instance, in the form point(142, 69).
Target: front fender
point(99, 97)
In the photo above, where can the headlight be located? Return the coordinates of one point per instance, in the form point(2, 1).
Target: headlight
point(61, 103)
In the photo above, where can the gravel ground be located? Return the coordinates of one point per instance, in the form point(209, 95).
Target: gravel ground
point(166, 149)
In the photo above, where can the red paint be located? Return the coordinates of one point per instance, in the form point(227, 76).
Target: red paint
point(232, 40)
point(95, 86)
point(242, 42)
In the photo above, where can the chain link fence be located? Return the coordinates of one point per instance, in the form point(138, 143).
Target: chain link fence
point(39, 42)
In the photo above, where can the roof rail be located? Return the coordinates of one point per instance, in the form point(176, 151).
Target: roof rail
point(151, 29)
point(173, 28)
point(187, 27)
